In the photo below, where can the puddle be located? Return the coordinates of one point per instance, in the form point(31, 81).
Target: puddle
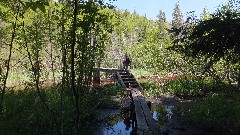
point(115, 123)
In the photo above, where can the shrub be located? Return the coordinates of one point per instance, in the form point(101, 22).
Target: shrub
point(151, 89)
point(216, 113)
point(185, 87)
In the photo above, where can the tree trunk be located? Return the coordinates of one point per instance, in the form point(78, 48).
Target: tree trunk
point(238, 79)
point(63, 67)
point(51, 46)
point(75, 92)
point(8, 62)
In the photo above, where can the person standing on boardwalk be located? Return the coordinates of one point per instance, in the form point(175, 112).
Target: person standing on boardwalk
point(126, 61)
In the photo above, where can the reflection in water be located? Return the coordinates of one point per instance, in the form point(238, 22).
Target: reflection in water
point(155, 115)
point(118, 124)
point(169, 111)
point(162, 114)
point(118, 128)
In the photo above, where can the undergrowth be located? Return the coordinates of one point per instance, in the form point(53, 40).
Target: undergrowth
point(24, 112)
point(216, 113)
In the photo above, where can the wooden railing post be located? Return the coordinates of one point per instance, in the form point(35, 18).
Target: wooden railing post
point(96, 78)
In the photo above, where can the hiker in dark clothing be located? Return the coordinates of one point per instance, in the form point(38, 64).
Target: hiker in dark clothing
point(126, 62)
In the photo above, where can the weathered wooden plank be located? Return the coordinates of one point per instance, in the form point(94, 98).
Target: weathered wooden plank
point(147, 116)
point(141, 122)
point(139, 86)
point(155, 129)
point(136, 92)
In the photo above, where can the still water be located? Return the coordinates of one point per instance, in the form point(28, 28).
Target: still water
point(115, 123)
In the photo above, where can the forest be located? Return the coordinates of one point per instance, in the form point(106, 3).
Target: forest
point(49, 51)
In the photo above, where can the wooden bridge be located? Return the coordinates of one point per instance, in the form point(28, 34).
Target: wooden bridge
point(145, 124)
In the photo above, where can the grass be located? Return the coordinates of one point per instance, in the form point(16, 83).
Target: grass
point(106, 92)
point(17, 79)
point(20, 79)
point(24, 113)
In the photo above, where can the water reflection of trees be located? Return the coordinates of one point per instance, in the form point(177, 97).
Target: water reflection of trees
point(115, 118)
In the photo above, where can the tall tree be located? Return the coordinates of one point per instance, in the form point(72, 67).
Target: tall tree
point(14, 27)
point(205, 14)
point(75, 92)
point(162, 24)
point(177, 16)
point(161, 17)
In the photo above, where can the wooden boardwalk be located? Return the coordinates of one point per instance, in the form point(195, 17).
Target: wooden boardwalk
point(146, 125)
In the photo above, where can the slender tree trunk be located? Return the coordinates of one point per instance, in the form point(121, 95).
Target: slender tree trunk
point(81, 64)
point(63, 68)
point(75, 92)
point(95, 62)
point(35, 70)
point(229, 76)
point(238, 79)
point(8, 61)
point(93, 44)
point(50, 41)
